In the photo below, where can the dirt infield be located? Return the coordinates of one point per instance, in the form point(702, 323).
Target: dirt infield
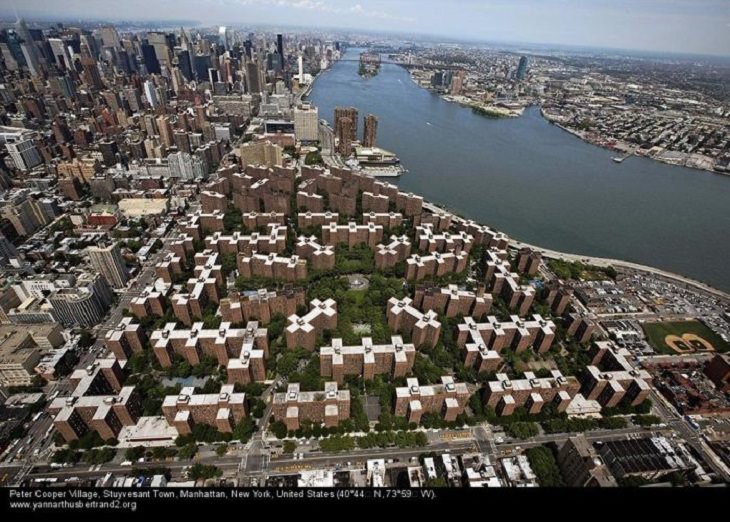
point(688, 343)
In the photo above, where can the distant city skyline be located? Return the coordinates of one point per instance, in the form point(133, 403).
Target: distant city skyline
point(679, 26)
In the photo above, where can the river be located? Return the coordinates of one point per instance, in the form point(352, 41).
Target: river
point(538, 183)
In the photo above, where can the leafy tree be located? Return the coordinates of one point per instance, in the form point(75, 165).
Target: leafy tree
point(86, 339)
point(134, 454)
point(543, 463)
point(522, 430)
point(646, 420)
point(188, 451)
point(228, 263)
point(289, 446)
point(278, 428)
point(200, 471)
point(244, 429)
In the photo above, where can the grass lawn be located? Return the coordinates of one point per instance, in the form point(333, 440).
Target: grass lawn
point(656, 332)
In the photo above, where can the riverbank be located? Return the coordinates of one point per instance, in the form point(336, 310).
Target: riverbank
point(676, 159)
point(489, 111)
point(597, 261)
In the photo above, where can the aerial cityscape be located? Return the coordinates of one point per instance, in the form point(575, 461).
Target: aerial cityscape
point(361, 258)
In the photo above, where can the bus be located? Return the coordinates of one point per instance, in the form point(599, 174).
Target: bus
point(692, 423)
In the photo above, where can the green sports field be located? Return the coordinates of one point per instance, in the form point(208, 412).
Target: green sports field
point(657, 332)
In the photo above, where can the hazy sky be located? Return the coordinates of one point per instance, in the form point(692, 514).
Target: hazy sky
point(693, 26)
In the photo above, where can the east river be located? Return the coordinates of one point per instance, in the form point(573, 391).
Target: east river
point(538, 183)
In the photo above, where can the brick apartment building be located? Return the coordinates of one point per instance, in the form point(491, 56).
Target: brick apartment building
point(309, 202)
point(170, 267)
point(261, 305)
point(254, 220)
point(320, 257)
point(327, 407)
point(98, 403)
point(558, 297)
point(223, 410)
point(516, 334)
point(439, 221)
point(447, 399)
point(531, 392)
point(204, 288)
point(125, 339)
point(201, 224)
point(272, 266)
point(387, 256)
point(528, 261)
point(435, 264)
point(241, 350)
point(273, 241)
point(316, 219)
point(352, 234)
point(610, 378)
point(484, 235)
point(451, 301)
point(580, 326)
point(303, 331)
point(384, 219)
point(503, 282)
point(443, 241)
point(212, 201)
point(151, 302)
point(423, 327)
point(394, 359)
